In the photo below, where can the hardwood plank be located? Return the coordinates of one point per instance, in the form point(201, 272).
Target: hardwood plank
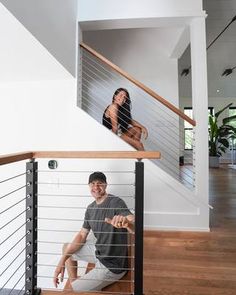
point(193, 263)
point(11, 158)
point(98, 154)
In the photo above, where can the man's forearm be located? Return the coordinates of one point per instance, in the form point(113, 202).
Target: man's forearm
point(73, 247)
point(131, 226)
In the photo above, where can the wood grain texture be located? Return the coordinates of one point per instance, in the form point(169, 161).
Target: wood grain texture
point(98, 154)
point(11, 158)
point(197, 263)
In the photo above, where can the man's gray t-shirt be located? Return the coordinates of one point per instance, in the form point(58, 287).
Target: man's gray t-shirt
point(111, 244)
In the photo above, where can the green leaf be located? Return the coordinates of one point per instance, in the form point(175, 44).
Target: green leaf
point(222, 110)
point(229, 119)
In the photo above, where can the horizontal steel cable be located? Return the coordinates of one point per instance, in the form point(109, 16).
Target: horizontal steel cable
point(143, 115)
point(159, 141)
point(20, 290)
point(75, 196)
point(85, 171)
point(84, 279)
point(84, 267)
point(106, 119)
point(13, 233)
point(12, 206)
point(13, 260)
point(90, 101)
point(107, 77)
point(169, 129)
point(84, 208)
point(13, 219)
point(12, 192)
point(13, 274)
point(76, 231)
point(91, 244)
point(160, 148)
point(68, 183)
point(64, 219)
point(70, 254)
point(115, 76)
point(154, 131)
point(14, 246)
point(17, 283)
point(13, 177)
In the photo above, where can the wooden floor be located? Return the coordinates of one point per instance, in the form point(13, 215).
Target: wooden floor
point(185, 263)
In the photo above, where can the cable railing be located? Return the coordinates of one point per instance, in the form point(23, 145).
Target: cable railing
point(165, 123)
point(42, 209)
point(12, 227)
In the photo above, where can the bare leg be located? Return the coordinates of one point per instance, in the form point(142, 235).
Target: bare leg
point(135, 143)
point(71, 266)
point(134, 132)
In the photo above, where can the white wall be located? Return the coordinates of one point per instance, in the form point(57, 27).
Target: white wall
point(42, 115)
point(53, 23)
point(143, 53)
point(105, 9)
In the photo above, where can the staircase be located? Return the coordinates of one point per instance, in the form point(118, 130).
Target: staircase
point(165, 122)
point(173, 199)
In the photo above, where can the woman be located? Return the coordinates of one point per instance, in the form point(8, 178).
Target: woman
point(117, 117)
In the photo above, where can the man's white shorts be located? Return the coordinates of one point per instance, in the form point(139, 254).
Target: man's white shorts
point(97, 278)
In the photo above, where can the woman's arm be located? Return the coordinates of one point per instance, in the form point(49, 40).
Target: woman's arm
point(113, 114)
point(143, 128)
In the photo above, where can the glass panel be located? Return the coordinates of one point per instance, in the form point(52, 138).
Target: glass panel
point(188, 139)
point(232, 112)
point(189, 113)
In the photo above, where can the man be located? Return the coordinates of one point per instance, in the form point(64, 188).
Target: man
point(110, 220)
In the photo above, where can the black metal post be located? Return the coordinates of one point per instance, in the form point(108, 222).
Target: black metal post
point(139, 204)
point(31, 228)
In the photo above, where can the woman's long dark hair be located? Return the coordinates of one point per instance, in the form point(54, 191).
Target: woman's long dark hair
point(124, 111)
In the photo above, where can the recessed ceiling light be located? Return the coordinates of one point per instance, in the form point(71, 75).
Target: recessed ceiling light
point(218, 90)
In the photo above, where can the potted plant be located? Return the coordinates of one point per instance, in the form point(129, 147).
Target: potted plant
point(219, 136)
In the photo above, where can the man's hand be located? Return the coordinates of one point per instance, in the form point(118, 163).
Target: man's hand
point(60, 270)
point(118, 221)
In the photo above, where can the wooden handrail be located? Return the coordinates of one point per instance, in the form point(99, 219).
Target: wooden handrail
point(98, 154)
point(139, 84)
point(11, 158)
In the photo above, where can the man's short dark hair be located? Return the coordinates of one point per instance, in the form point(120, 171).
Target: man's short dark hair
point(97, 176)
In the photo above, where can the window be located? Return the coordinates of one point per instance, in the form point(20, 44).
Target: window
point(188, 128)
point(232, 142)
point(232, 112)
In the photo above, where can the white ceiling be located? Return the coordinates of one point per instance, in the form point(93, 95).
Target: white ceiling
point(221, 55)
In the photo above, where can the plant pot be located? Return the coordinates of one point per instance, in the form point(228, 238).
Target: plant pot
point(214, 162)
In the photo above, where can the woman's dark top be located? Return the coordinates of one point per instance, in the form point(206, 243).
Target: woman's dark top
point(124, 118)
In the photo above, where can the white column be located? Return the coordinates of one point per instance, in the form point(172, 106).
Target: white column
point(200, 112)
